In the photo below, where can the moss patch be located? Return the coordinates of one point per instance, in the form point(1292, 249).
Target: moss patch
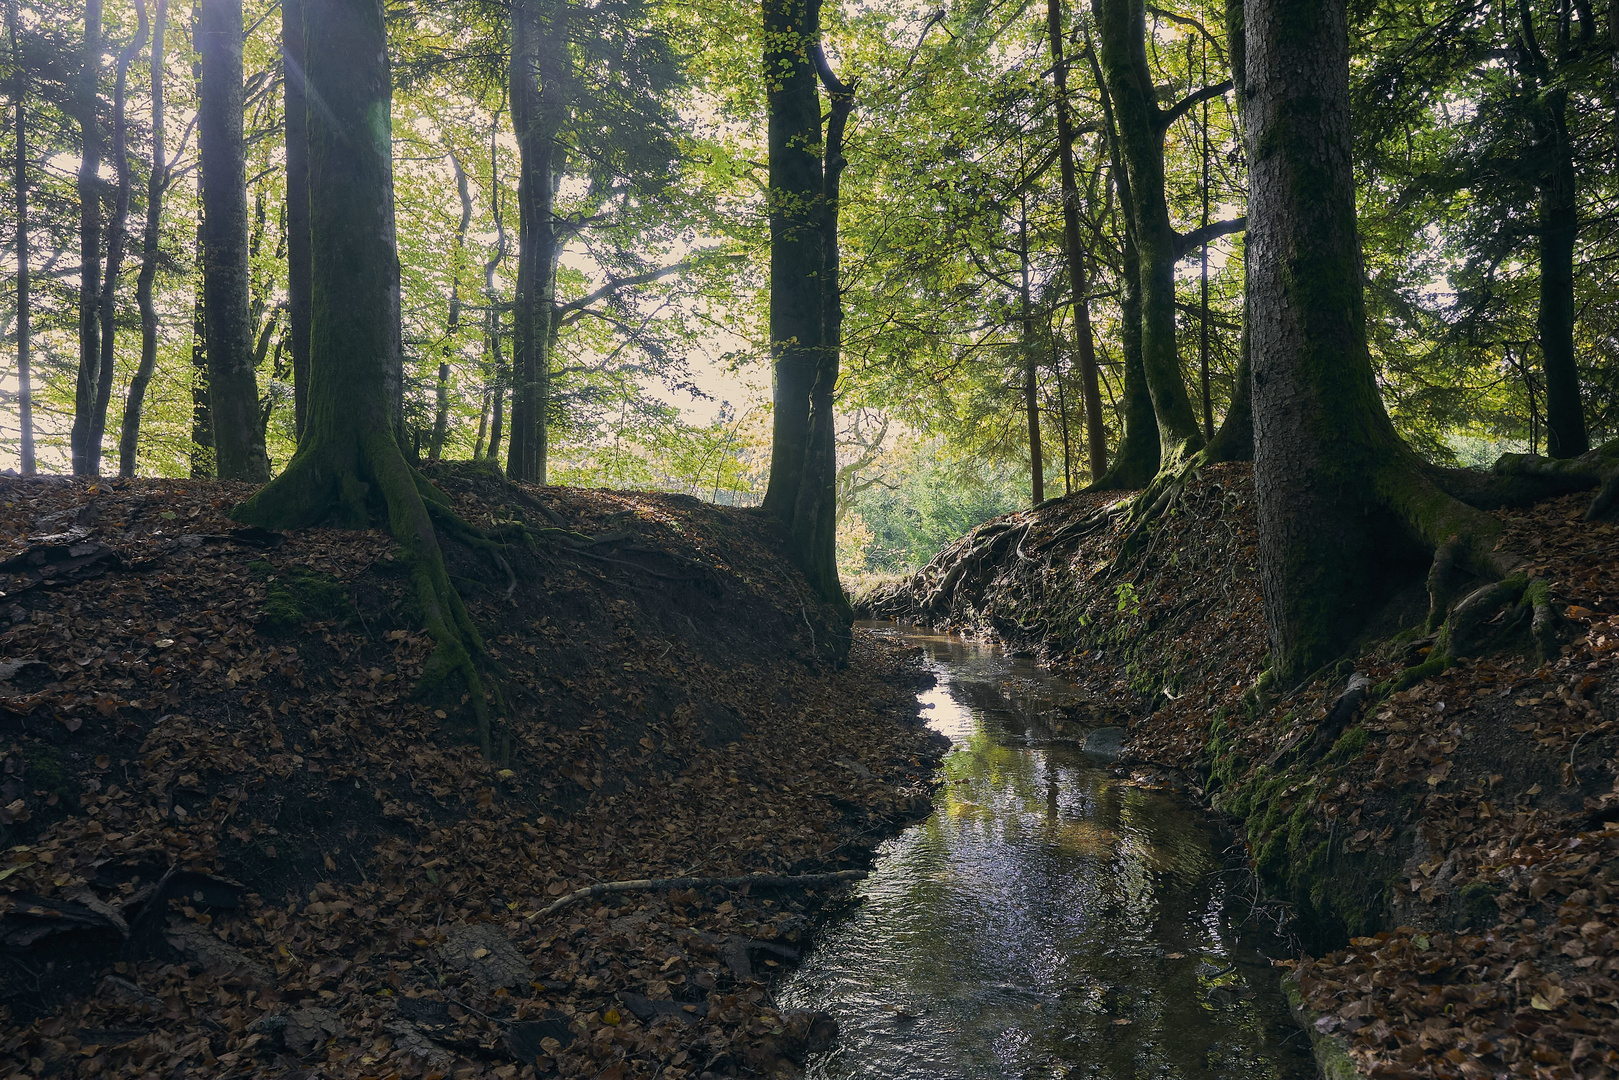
point(296, 595)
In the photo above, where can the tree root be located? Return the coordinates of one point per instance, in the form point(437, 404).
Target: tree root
point(774, 881)
point(342, 481)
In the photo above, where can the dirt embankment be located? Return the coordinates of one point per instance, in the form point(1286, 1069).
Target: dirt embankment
point(1447, 854)
point(236, 841)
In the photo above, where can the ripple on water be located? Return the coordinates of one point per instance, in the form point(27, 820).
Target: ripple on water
point(1048, 919)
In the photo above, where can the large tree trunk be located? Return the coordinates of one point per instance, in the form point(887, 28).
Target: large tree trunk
point(298, 254)
point(797, 244)
point(25, 387)
point(88, 97)
point(1121, 30)
point(1559, 226)
point(349, 464)
point(117, 241)
point(156, 185)
point(1344, 506)
point(538, 44)
point(1089, 383)
point(232, 388)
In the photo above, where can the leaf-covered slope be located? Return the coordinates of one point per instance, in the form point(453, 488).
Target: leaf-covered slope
point(228, 716)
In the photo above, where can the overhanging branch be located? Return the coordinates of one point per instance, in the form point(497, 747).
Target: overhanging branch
point(1185, 242)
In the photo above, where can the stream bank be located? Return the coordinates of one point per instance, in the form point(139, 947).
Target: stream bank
point(237, 840)
point(1446, 853)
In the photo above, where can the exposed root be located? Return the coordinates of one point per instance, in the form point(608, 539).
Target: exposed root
point(345, 483)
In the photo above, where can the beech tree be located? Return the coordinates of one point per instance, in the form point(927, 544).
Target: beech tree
point(87, 104)
point(349, 465)
point(1343, 502)
point(238, 437)
point(19, 176)
point(156, 185)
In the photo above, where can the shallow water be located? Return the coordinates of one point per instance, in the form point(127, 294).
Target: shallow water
point(1049, 919)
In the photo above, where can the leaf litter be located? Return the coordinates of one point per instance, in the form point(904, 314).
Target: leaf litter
point(235, 840)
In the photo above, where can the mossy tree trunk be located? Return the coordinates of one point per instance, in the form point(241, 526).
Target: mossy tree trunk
point(1344, 506)
point(797, 251)
point(1136, 461)
point(233, 396)
point(1141, 124)
point(815, 510)
point(349, 464)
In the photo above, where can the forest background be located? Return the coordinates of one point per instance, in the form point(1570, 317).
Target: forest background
point(955, 283)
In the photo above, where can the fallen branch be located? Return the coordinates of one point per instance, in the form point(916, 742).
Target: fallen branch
point(658, 884)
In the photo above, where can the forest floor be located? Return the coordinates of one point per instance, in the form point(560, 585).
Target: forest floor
point(1446, 855)
point(235, 841)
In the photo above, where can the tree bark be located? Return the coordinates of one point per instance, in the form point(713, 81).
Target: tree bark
point(797, 252)
point(815, 519)
point(117, 241)
point(1121, 29)
point(452, 324)
point(539, 32)
point(87, 101)
point(349, 462)
point(25, 387)
point(298, 254)
point(156, 186)
point(232, 387)
point(1566, 435)
point(1138, 455)
point(1343, 504)
point(1031, 360)
point(1084, 338)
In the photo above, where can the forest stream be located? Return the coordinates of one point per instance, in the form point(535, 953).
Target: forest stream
point(1051, 918)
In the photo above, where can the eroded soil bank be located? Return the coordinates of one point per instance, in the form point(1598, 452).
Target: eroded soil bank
point(1446, 854)
point(237, 843)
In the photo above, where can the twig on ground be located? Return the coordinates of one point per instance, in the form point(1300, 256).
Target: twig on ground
point(658, 884)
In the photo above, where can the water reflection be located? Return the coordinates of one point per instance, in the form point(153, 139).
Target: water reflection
point(1048, 920)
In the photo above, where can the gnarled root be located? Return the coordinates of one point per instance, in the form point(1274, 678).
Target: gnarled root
point(1522, 478)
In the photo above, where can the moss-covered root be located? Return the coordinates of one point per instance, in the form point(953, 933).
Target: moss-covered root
point(1468, 624)
point(322, 485)
point(1598, 468)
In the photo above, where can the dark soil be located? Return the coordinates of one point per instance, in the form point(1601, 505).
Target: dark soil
point(1447, 855)
point(237, 840)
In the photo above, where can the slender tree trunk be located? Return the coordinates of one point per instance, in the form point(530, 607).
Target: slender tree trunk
point(1084, 338)
point(538, 36)
point(1138, 455)
point(815, 519)
point(1234, 440)
point(1203, 290)
point(1031, 359)
point(298, 254)
point(202, 421)
point(1121, 28)
point(1566, 435)
point(1062, 418)
point(797, 244)
point(441, 413)
point(88, 98)
point(117, 241)
point(156, 186)
point(232, 387)
point(25, 387)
